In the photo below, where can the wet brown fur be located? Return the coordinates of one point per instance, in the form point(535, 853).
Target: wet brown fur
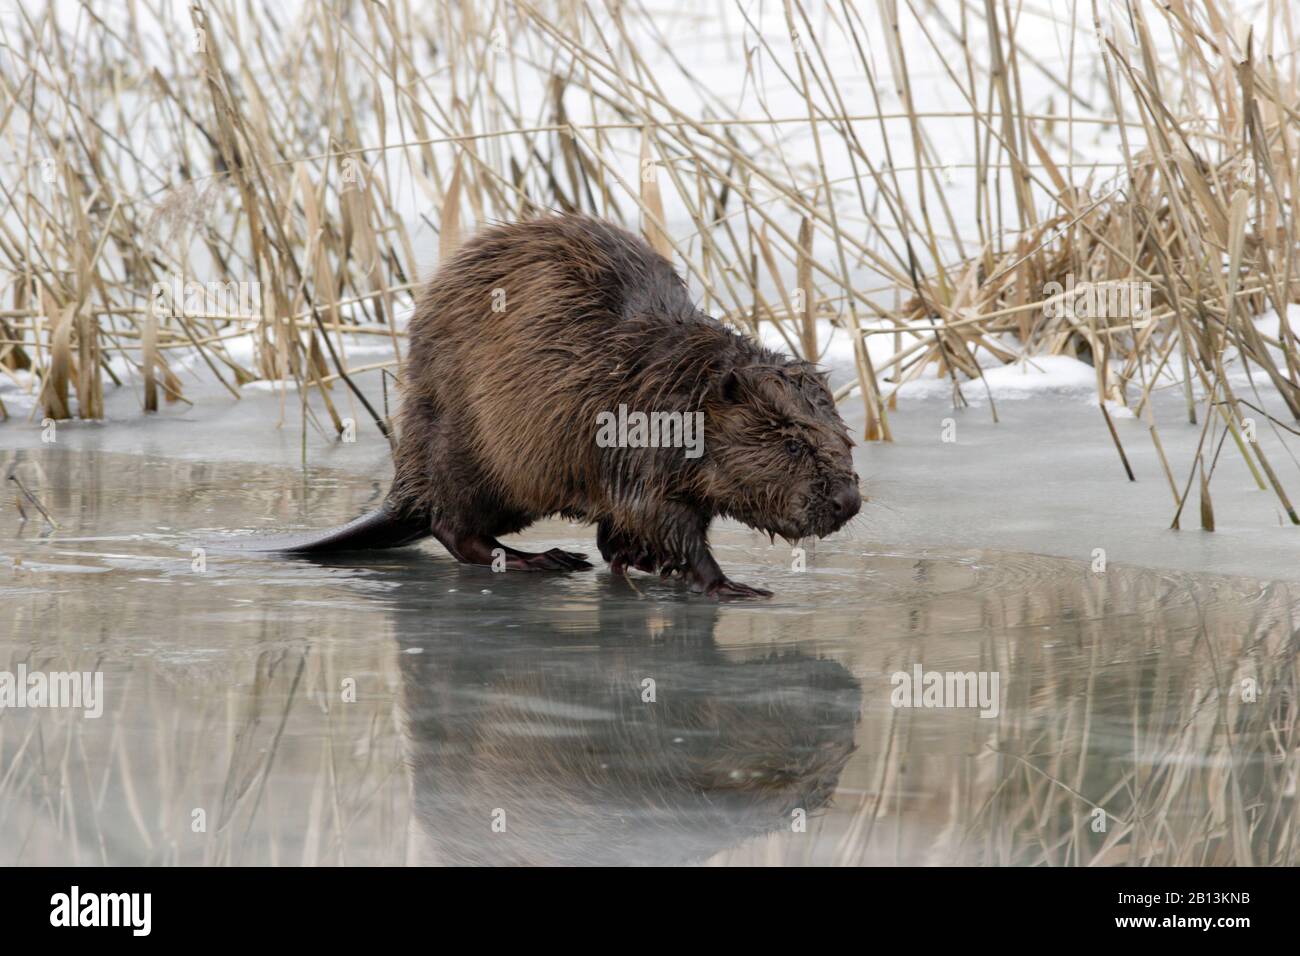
point(499, 415)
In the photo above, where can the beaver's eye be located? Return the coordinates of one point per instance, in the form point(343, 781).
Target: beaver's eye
point(793, 448)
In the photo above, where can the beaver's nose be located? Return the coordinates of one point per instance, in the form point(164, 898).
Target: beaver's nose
point(847, 501)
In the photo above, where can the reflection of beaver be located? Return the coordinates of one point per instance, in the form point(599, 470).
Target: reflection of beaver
point(550, 734)
point(531, 333)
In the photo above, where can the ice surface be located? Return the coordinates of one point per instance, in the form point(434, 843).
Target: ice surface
point(391, 707)
point(1046, 478)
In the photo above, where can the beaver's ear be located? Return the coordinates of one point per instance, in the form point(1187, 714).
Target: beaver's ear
point(730, 386)
point(739, 383)
point(813, 383)
point(801, 372)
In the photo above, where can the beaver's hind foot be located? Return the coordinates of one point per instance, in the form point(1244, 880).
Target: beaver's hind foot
point(485, 550)
point(552, 560)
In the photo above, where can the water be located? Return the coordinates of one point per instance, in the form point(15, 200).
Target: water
point(397, 708)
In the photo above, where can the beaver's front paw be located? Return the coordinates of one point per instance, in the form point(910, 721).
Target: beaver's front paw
point(726, 588)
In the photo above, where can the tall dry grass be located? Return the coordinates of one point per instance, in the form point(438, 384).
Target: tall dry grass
point(317, 151)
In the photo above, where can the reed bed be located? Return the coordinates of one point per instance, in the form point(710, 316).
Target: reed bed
point(802, 176)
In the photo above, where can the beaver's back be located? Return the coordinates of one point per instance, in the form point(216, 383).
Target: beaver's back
point(541, 281)
point(534, 328)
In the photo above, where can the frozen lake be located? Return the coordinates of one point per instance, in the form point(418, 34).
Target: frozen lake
point(397, 707)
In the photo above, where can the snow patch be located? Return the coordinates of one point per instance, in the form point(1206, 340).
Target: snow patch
point(1029, 378)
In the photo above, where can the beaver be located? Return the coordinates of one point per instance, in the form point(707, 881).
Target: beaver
point(534, 332)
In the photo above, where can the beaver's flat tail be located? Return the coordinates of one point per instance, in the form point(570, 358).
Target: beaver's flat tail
point(380, 528)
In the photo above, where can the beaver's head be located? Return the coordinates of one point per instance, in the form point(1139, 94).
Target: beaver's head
point(777, 454)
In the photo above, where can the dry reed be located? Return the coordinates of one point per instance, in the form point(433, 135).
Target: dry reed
point(314, 154)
